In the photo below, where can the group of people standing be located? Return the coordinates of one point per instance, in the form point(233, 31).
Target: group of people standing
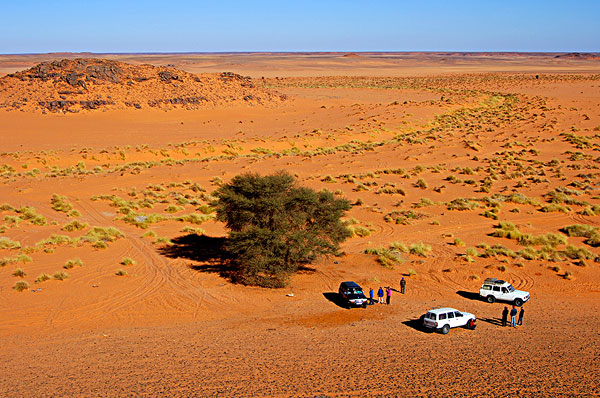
point(513, 315)
point(387, 294)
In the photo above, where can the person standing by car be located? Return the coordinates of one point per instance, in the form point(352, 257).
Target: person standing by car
point(521, 313)
point(371, 302)
point(504, 315)
point(513, 317)
point(380, 295)
point(402, 285)
point(388, 295)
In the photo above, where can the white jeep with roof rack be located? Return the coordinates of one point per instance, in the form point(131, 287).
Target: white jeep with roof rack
point(496, 289)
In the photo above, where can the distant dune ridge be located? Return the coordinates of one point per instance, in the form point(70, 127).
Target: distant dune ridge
point(72, 85)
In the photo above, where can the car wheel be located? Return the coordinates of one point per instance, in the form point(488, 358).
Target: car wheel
point(471, 324)
point(445, 329)
point(491, 299)
point(364, 305)
point(518, 302)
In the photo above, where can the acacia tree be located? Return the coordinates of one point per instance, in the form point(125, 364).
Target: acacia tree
point(276, 226)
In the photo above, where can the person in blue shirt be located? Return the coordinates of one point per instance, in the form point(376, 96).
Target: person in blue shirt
point(513, 317)
point(371, 296)
point(380, 295)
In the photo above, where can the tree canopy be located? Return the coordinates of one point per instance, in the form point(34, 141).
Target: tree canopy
point(277, 226)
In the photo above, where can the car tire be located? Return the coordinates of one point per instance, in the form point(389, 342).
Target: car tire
point(364, 305)
point(518, 302)
point(471, 324)
point(490, 299)
point(445, 329)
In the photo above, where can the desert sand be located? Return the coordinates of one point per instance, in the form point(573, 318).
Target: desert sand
point(444, 153)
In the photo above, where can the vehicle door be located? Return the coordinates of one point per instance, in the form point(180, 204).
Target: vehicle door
point(442, 320)
point(497, 292)
point(505, 294)
point(461, 320)
point(451, 319)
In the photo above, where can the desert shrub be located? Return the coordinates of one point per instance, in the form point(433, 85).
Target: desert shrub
point(74, 213)
point(71, 263)
point(191, 230)
point(143, 220)
point(502, 268)
point(421, 183)
point(7, 243)
point(568, 275)
point(28, 213)
point(75, 225)
point(100, 244)
point(458, 242)
point(54, 240)
point(490, 214)
point(22, 258)
point(42, 278)
point(399, 246)
point(19, 272)
point(149, 234)
point(553, 207)
point(556, 268)
point(174, 209)
point(389, 258)
point(551, 240)
point(506, 230)
point(162, 240)
point(419, 249)
point(580, 253)
point(498, 250)
point(529, 253)
point(472, 252)
point(128, 261)
point(19, 286)
point(98, 235)
point(195, 218)
point(586, 231)
point(462, 204)
point(60, 275)
point(60, 203)
point(205, 209)
point(359, 230)
point(474, 277)
point(411, 272)
point(121, 272)
point(277, 226)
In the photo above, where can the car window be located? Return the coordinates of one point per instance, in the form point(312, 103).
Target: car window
point(504, 290)
point(458, 314)
point(442, 316)
point(496, 288)
point(450, 315)
point(487, 287)
point(511, 288)
point(431, 316)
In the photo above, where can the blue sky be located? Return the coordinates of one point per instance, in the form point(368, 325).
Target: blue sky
point(223, 26)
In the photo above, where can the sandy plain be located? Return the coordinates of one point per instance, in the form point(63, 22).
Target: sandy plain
point(432, 148)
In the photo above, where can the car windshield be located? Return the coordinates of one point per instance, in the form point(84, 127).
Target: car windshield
point(510, 288)
point(354, 290)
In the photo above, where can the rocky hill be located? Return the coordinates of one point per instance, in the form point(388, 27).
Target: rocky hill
point(72, 85)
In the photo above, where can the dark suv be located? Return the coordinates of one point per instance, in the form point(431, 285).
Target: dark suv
point(352, 295)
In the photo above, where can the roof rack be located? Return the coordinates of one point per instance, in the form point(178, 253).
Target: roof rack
point(494, 281)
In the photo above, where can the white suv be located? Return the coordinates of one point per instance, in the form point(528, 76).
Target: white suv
point(445, 318)
point(495, 289)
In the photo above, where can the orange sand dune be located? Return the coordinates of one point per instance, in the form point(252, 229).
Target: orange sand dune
point(433, 164)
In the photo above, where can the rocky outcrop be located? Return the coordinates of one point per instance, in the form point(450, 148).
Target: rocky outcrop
point(72, 85)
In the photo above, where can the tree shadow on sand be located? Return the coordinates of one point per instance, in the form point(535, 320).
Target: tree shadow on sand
point(207, 250)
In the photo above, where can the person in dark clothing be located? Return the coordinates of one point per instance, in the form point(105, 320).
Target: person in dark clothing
point(504, 316)
point(402, 285)
point(513, 317)
point(371, 296)
point(380, 295)
point(388, 295)
point(521, 313)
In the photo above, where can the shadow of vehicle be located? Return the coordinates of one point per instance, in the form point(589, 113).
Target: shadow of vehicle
point(417, 324)
point(469, 295)
point(493, 321)
point(336, 299)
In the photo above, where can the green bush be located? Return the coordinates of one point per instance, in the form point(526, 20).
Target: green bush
point(128, 261)
point(42, 278)
point(71, 263)
point(277, 226)
point(60, 275)
point(420, 249)
point(7, 243)
point(19, 272)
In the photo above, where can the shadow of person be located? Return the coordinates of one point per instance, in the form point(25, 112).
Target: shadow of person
point(493, 321)
point(469, 295)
